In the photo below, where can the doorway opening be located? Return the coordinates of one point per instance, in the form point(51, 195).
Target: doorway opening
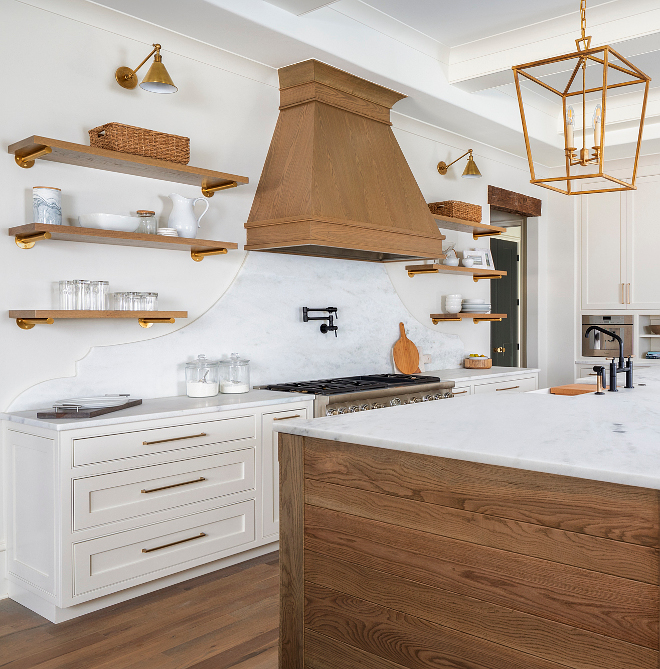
point(508, 294)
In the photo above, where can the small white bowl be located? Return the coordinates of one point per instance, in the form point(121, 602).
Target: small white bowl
point(467, 262)
point(452, 308)
point(458, 296)
point(452, 262)
point(109, 222)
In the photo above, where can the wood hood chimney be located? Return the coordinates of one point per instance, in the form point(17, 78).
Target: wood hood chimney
point(335, 183)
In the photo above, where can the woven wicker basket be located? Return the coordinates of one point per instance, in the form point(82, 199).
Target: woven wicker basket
point(141, 142)
point(478, 363)
point(454, 209)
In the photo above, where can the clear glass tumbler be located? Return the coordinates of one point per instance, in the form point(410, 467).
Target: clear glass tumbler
point(135, 301)
point(150, 301)
point(99, 295)
point(81, 295)
point(66, 295)
point(120, 301)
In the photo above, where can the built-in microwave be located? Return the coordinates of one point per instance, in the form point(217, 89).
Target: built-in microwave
point(599, 345)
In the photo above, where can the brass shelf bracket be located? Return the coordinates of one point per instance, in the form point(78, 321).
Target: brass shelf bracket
point(148, 322)
point(487, 233)
point(28, 241)
point(198, 256)
point(207, 191)
point(26, 160)
point(482, 278)
point(413, 272)
point(435, 321)
point(487, 320)
point(29, 323)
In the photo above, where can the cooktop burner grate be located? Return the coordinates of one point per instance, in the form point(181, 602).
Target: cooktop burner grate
point(351, 384)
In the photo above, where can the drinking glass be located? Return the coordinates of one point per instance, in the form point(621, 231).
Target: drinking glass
point(66, 295)
point(120, 301)
point(98, 295)
point(81, 294)
point(150, 301)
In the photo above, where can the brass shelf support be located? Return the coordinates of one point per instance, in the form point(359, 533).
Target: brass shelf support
point(413, 272)
point(26, 160)
point(477, 235)
point(198, 256)
point(487, 320)
point(482, 278)
point(207, 191)
point(435, 321)
point(28, 241)
point(148, 322)
point(29, 323)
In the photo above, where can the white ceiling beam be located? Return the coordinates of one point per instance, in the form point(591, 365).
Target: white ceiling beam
point(300, 7)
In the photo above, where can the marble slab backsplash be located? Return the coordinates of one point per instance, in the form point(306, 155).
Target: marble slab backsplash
point(260, 317)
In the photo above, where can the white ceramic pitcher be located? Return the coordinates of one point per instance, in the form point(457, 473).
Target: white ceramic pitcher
point(183, 216)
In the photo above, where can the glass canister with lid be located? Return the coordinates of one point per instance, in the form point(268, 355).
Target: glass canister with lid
point(148, 224)
point(202, 377)
point(234, 375)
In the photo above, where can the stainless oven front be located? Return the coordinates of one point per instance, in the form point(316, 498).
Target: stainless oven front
point(599, 345)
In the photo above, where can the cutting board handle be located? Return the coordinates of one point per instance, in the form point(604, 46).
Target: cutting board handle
point(402, 330)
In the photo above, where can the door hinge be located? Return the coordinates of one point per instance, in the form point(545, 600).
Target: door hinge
point(518, 345)
point(518, 303)
point(518, 258)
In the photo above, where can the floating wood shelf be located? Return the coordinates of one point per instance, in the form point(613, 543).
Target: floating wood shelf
point(27, 235)
point(477, 229)
point(477, 272)
point(26, 319)
point(43, 148)
point(477, 318)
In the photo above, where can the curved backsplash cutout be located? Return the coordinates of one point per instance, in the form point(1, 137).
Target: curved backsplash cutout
point(260, 317)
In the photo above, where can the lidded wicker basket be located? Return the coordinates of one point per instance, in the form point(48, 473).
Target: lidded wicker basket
point(455, 209)
point(141, 142)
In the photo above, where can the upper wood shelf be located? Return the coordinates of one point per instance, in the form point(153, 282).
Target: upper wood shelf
point(26, 319)
point(477, 229)
point(36, 147)
point(27, 235)
point(477, 272)
point(477, 318)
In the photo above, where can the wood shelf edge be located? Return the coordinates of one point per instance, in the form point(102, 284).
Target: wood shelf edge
point(469, 226)
point(73, 314)
point(449, 269)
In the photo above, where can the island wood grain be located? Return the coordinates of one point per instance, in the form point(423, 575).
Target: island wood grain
point(418, 562)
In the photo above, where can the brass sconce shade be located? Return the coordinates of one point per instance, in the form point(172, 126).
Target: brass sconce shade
point(471, 170)
point(580, 84)
point(157, 79)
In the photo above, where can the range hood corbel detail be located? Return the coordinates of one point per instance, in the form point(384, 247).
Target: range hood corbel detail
point(336, 183)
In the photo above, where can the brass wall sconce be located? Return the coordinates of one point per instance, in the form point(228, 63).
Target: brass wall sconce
point(157, 79)
point(471, 170)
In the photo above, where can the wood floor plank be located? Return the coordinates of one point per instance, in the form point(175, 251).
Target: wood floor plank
point(405, 639)
point(621, 609)
point(623, 513)
point(616, 558)
point(537, 636)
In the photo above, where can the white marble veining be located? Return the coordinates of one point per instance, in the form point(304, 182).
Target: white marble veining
point(613, 437)
point(260, 317)
point(463, 374)
point(163, 407)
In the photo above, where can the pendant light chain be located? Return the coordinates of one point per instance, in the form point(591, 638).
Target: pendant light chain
point(583, 17)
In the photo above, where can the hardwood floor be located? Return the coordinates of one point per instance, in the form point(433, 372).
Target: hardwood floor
point(225, 619)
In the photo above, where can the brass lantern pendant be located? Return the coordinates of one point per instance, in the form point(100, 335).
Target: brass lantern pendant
point(579, 85)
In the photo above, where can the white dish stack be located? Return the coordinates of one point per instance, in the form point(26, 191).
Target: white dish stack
point(453, 303)
point(476, 307)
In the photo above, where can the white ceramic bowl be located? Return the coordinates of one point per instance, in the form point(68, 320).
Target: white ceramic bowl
point(467, 262)
point(457, 296)
point(452, 262)
point(453, 308)
point(109, 222)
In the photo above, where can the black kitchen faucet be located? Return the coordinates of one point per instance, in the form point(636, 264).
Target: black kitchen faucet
point(616, 366)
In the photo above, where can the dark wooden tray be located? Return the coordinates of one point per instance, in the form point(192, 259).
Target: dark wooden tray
point(86, 413)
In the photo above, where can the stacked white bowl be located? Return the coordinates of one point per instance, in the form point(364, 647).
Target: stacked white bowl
point(476, 307)
point(453, 303)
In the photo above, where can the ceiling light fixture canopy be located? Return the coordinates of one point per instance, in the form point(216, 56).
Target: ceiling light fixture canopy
point(581, 82)
point(471, 170)
point(157, 79)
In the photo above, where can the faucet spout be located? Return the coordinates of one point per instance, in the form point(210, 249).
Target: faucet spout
point(591, 328)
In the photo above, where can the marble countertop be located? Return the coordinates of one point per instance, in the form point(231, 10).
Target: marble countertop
point(463, 374)
point(613, 437)
point(164, 407)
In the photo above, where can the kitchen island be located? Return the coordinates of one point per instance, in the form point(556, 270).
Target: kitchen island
point(503, 532)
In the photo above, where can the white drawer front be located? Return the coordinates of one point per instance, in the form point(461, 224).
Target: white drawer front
point(462, 391)
point(122, 560)
point(111, 498)
point(511, 386)
point(91, 450)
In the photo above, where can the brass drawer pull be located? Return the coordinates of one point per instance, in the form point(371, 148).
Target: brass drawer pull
point(163, 441)
point(511, 388)
point(174, 485)
point(459, 392)
point(287, 417)
point(174, 543)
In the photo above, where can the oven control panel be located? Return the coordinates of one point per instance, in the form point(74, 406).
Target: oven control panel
point(339, 408)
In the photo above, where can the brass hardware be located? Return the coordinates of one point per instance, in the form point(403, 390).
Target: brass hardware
point(628, 294)
point(207, 191)
point(29, 323)
point(287, 417)
point(157, 79)
point(28, 241)
point(486, 320)
point(198, 256)
point(27, 159)
point(499, 349)
point(174, 485)
point(412, 272)
point(623, 293)
point(459, 392)
point(435, 321)
point(511, 388)
point(477, 235)
point(148, 322)
point(471, 170)
point(164, 441)
point(481, 278)
point(174, 543)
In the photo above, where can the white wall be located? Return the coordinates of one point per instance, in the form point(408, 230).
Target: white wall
point(64, 85)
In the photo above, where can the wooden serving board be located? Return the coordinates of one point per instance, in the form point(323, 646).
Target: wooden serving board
point(406, 355)
point(573, 389)
point(86, 413)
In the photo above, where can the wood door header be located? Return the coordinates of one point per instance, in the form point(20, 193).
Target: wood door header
point(513, 203)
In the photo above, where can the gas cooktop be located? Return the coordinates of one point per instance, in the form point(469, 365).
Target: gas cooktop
point(352, 384)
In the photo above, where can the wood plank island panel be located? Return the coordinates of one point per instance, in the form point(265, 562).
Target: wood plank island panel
point(385, 589)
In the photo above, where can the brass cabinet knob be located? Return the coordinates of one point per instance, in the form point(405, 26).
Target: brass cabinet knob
point(499, 349)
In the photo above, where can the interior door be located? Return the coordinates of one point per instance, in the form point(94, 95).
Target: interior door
point(504, 300)
point(643, 280)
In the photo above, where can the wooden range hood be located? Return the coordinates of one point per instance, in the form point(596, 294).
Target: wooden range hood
point(335, 183)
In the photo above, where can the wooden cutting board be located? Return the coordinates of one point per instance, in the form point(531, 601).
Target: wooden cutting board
point(87, 413)
point(573, 389)
point(406, 355)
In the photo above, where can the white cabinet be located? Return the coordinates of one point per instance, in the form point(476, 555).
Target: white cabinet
point(620, 236)
point(495, 381)
point(512, 385)
point(462, 391)
point(271, 469)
